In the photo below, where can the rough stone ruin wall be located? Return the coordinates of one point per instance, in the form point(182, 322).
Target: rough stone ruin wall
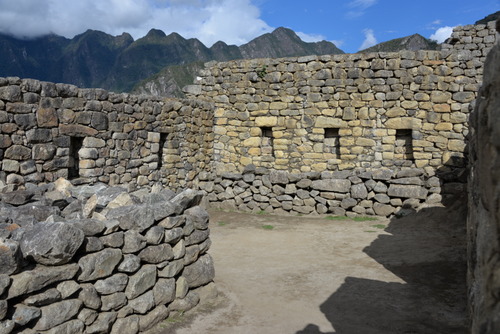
point(87, 135)
point(345, 134)
point(483, 221)
point(98, 259)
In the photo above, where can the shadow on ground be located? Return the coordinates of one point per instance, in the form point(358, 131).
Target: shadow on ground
point(427, 250)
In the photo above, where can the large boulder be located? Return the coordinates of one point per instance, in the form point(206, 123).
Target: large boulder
point(51, 243)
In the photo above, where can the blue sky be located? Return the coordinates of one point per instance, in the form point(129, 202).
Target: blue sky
point(350, 24)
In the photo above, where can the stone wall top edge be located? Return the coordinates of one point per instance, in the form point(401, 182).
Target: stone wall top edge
point(66, 90)
point(256, 62)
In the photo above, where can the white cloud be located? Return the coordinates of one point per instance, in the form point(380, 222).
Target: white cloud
point(370, 39)
point(233, 21)
point(362, 3)
point(359, 7)
point(310, 37)
point(441, 34)
point(338, 42)
point(437, 22)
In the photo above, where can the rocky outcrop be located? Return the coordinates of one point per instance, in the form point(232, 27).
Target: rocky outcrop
point(102, 259)
point(483, 219)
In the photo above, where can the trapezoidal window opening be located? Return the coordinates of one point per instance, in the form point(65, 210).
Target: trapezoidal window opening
point(75, 144)
point(267, 144)
point(403, 147)
point(161, 155)
point(331, 143)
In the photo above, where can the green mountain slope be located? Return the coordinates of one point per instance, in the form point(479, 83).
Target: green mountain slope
point(491, 17)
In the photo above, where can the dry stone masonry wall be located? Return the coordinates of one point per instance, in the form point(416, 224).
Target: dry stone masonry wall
point(97, 259)
point(347, 118)
point(483, 222)
point(361, 133)
point(57, 130)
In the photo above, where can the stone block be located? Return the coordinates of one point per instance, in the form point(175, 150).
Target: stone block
point(332, 185)
point(407, 191)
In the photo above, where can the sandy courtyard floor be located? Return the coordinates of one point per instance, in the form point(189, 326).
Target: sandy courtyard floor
point(298, 275)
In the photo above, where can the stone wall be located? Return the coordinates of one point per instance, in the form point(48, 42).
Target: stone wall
point(478, 39)
point(340, 117)
point(97, 259)
point(57, 130)
point(483, 222)
point(346, 118)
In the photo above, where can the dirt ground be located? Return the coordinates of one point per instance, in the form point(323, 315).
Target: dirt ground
point(312, 275)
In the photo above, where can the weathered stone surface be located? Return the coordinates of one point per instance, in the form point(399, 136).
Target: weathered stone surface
point(10, 256)
point(114, 240)
point(114, 301)
point(90, 227)
point(87, 316)
point(25, 314)
point(141, 281)
point(185, 304)
point(201, 272)
point(47, 297)
point(186, 199)
point(4, 283)
point(335, 185)
point(77, 130)
point(115, 283)
point(155, 235)
point(130, 263)
point(67, 288)
point(359, 191)
point(103, 323)
point(172, 269)
point(18, 197)
point(57, 313)
point(153, 318)
point(198, 236)
point(7, 326)
point(98, 265)
point(40, 277)
point(133, 217)
point(3, 309)
point(383, 210)
point(156, 254)
point(164, 291)
point(174, 235)
point(72, 326)
point(382, 174)
point(407, 191)
point(133, 242)
point(143, 303)
point(128, 325)
point(51, 243)
point(89, 296)
point(198, 216)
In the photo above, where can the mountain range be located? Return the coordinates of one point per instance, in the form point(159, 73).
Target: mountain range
point(157, 63)
point(118, 63)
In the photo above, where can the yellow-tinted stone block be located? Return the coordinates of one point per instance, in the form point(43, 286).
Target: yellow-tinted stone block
point(266, 121)
point(395, 112)
point(252, 141)
point(443, 127)
point(442, 108)
point(403, 123)
point(328, 122)
point(365, 142)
